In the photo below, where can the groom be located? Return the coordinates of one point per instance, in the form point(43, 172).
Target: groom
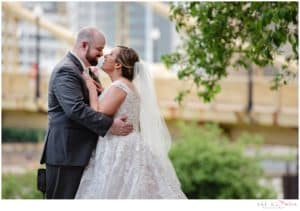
point(74, 127)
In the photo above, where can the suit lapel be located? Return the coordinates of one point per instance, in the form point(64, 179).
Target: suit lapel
point(79, 70)
point(75, 61)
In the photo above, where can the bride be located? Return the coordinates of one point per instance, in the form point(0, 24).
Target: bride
point(135, 166)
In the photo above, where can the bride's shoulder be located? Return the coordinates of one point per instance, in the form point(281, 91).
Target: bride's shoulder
point(125, 84)
point(120, 85)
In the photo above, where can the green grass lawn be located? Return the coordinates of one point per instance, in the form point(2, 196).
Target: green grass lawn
point(20, 186)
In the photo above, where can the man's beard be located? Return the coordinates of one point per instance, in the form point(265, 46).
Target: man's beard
point(93, 61)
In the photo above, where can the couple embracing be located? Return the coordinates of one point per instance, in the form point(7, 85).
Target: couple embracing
point(112, 145)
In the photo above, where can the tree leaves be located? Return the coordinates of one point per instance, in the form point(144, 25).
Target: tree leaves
point(262, 28)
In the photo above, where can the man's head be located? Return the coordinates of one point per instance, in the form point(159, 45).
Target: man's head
point(89, 45)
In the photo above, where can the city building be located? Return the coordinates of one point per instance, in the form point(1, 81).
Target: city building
point(50, 49)
point(126, 23)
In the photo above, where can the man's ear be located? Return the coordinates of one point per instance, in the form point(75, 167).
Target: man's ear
point(85, 45)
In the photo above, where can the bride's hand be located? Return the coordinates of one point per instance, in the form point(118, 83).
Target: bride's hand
point(94, 79)
point(89, 83)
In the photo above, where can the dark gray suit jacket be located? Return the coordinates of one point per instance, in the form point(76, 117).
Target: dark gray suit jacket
point(74, 127)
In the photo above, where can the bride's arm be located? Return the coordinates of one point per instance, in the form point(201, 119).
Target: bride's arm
point(93, 98)
point(110, 103)
point(93, 95)
point(112, 100)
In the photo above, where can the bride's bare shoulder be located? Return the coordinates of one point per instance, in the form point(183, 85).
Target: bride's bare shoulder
point(128, 83)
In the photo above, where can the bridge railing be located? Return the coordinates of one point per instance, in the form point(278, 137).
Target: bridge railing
point(230, 105)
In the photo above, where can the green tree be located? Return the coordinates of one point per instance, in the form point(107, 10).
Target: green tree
point(210, 166)
point(218, 35)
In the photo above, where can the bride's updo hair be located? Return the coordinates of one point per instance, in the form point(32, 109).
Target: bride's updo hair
point(127, 57)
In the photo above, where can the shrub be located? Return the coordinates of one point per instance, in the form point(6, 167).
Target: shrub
point(22, 135)
point(20, 186)
point(209, 166)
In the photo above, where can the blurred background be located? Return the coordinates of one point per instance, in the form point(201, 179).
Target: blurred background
point(221, 149)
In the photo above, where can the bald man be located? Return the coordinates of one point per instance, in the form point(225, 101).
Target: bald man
point(74, 127)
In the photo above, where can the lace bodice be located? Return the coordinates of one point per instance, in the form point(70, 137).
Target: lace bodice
point(131, 105)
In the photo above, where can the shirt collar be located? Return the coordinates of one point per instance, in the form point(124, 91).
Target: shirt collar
point(85, 69)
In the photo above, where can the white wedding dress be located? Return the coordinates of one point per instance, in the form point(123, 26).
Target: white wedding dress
point(122, 167)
